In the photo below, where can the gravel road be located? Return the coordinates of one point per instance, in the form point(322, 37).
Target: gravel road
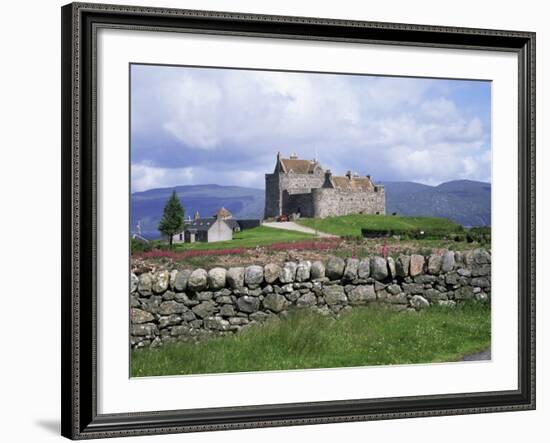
point(291, 226)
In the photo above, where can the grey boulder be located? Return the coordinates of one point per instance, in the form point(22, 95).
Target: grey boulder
point(350, 271)
point(161, 280)
point(216, 278)
point(198, 280)
point(275, 302)
point(335, 268)
point(317, 270)
point(235, 277)
point(180, 282)
point(378, 268)
point(303, 271)
point(271, 272)
point(254, 275)
point(288, 273)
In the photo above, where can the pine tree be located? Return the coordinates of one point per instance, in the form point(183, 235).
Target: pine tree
point(172, 219)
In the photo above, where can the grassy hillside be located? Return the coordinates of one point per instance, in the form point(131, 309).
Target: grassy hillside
point(464, 201)
point(260, 236)
point(364, 337)
point(351, 225)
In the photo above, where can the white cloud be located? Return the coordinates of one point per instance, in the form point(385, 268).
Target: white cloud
point(257, 108)
point(439, 109)
point(149, 177)
point(390, 93)
point(397, 128)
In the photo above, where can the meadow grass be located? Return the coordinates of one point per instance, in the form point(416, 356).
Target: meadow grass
point(250, 238)
point(366, 336)
point(351, 225)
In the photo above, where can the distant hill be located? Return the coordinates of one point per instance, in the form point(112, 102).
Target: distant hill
point(463, 201)
point(147, 206)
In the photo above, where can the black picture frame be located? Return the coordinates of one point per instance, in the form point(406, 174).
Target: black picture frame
point(79, 170)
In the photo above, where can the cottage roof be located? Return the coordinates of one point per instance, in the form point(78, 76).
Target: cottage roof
point(223, 213)
point(353, 184)
point(204, 224)
point(200, 224)
point(232, 223)
point(298, 166)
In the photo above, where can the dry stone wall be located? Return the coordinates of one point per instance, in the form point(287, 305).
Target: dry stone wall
point(194, 304)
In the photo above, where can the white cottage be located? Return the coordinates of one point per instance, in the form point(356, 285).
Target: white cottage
point(205, 230)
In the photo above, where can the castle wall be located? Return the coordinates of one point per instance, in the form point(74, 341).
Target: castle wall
point(329, 202)
point(272, 196)
point(298, 203)
point(276, 184)
point(300, 183)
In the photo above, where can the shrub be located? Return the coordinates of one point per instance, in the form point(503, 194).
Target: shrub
point(480, 234)
point(139, 246)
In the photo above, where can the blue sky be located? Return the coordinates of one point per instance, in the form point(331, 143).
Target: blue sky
point(225, 126)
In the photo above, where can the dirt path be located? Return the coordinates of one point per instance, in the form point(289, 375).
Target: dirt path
point(291, 226)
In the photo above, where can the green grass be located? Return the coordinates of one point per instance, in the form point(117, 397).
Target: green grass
point(250, 238)
point(366, 336)
point(351, 225)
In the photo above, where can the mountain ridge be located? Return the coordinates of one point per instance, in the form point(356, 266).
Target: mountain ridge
point(467, 202)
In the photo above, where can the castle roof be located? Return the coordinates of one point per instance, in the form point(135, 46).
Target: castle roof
point(353, 184)
point(298, 166)
point(348, 182)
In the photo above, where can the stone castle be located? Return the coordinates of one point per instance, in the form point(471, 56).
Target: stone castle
point(303, 187)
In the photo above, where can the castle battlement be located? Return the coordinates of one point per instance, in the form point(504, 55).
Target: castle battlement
point(305, 187)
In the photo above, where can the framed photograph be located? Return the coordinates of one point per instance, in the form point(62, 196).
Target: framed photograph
point(274, 221)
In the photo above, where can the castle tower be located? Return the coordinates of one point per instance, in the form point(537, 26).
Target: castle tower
point(293, 178)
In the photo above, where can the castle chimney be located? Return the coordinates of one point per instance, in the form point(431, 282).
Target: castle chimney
point(348, 175)
point(293, 156)
point(197, 215)
point(328, 179)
